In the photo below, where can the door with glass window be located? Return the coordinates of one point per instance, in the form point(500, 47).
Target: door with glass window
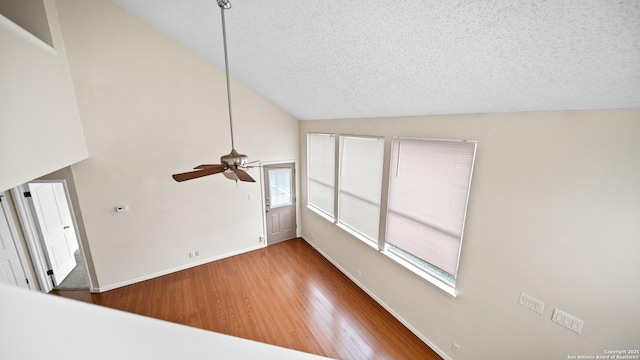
point(280, 202)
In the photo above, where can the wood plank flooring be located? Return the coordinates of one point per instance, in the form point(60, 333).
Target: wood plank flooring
point(286, 295)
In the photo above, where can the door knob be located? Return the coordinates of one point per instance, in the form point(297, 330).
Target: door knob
point(66, 227)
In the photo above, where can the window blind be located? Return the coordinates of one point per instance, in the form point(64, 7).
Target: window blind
point(361, 162)
point(428, 192)
point(321, 169)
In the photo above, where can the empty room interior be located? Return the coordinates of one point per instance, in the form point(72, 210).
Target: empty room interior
point(468, 169)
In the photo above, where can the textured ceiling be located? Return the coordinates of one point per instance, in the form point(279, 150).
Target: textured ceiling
point(377, 58)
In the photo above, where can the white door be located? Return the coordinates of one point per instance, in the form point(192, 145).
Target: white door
point(280, 202)
point(55, 233)
point(11, 271)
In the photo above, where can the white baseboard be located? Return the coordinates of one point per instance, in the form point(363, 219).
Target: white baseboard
point(176, 269)
point(379, 301)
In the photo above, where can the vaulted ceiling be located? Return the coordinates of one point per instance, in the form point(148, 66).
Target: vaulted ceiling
point(378, 58)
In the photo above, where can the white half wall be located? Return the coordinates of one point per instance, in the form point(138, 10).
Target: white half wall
point(553, 212)
point(151, 108)
point(101, 333)
point(40, 130)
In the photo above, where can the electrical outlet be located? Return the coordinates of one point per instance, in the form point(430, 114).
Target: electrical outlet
point(531, 303)
point(359, 273)
point(455, 348)
point(197, 252)
point(192, 254)
point(567, 320)
point(261, 239)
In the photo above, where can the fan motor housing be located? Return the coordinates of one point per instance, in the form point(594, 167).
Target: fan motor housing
point(233, 159)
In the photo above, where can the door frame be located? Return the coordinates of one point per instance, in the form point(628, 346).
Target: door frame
point(296, 179)
point(32, 237)
point(22, 256)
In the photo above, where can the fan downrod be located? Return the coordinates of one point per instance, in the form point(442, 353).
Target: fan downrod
point(231, 164)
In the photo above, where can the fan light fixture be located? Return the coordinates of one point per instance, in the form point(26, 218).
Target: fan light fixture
point(230, 164)
point(230, 175)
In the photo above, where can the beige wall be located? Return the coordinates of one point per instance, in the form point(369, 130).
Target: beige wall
point(151, 108)
point(40, 130)
point(553, 212)
point(553, 208)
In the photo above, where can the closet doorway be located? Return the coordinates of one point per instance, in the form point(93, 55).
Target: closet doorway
point(51, 232)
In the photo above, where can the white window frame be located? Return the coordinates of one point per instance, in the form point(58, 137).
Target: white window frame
point(431, 272)
point(316, 208)
point(381, 245)
point(352, 228)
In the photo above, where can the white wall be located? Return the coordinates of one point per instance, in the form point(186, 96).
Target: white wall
point(553, 212)
point(40, 130)
point(553, 208)
point(151, 108)
point(101, 333)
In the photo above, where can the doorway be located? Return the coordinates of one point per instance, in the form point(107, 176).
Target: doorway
point(280, 201)
point(50, 228)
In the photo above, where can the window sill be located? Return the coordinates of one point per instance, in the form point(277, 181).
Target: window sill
point(423, 275)
point(358, 236)
point(321, 213)
point(447, 289)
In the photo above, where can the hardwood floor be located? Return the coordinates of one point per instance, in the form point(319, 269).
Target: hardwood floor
point(286, 295)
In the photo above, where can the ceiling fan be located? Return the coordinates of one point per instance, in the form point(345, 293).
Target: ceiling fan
point(232, 164)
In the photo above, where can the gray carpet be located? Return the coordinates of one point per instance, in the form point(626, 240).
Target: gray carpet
point(77, 279)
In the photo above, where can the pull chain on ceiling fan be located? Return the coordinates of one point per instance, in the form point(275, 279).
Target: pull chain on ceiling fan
point(230, 164)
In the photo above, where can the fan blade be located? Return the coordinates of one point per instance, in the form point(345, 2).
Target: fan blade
point(242, 175)
point(198, 173)
point(266, 166)
point(204, 166)
point(249, 166)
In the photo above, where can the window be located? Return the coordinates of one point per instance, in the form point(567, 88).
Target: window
point(360, 182)
point(280, 188)
point(429, 184)
point(424, 208)
point(321, 169)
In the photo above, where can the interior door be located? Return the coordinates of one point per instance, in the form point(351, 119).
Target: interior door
point(11, 271)
point(280, 202)
point(55, 234)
